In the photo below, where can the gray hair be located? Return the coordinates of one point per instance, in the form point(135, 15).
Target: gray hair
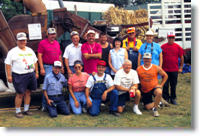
point(127, 60)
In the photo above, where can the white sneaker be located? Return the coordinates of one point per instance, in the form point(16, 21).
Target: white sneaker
point(137, 111)
point(84, 109)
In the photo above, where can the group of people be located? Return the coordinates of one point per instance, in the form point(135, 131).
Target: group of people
point(97, 73)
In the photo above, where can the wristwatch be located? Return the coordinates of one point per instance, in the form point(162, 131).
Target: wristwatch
point(36, 71)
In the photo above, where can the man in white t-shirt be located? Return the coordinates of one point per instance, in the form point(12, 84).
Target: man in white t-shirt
point(102, 89)
point(126, 79)
point(23, 62)
point(72, 53)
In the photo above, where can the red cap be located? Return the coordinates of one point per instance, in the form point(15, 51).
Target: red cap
point(101, 63)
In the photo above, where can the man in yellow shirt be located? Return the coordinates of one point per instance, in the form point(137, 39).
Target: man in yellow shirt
point(132, 45)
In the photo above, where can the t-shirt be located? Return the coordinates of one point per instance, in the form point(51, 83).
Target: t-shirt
point(73, 53)
point(22, 61)
point(78, 82)
point(90, 81)
point(155, 53)
point(131, 44)
point(50, 51)
point(126, 80)
point(90, 65)
point(171, 53)
point(148, 77)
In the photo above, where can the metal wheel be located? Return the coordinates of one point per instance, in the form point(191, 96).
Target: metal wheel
point(67, 23)
point(140, 32)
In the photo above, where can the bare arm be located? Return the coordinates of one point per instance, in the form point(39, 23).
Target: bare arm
point(36, 70)
point(67, 66)
point(125, 55)
point(8, 71)
point(139, 59)
point(163, 74)
point(160, 59)
point(135, 48)
point(111, 46)
point(42, 71)
point(92, 56)
point(87, 94)
point(181, 64)
point(60, 59)
point(120, 88)
point(104, 96)
point(76, 103)
point(110, 63)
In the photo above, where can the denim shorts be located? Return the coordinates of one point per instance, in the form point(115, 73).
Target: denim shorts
point(22, 82)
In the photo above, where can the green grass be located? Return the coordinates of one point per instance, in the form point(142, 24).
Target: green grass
point(173, 116)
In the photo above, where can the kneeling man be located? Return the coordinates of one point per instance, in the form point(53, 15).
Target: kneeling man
point(148, 75)
point(52, 87)
point(102, 90)
point(126, 79)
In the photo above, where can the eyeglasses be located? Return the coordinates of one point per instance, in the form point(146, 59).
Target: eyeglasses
point(131, 33)
point(171, 37)
point(77, 67)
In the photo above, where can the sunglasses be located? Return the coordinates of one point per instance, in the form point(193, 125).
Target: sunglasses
point(131, 33)
point(171, 37)
point(78, 67)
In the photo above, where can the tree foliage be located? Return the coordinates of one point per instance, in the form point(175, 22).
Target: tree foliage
point(10, 8)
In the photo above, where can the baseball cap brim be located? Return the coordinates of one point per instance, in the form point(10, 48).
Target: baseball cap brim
point(171, 36)
point(22, 39)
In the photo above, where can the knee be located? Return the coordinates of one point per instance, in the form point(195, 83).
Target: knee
point(53, 115)
point(137, 92)
point(115, 92)
point(158, 92)
point(149, 106)
point(20, 96)
point(28, 92)
point(93, 112)
point(77, 112)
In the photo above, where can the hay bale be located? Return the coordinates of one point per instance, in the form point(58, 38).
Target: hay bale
point(116, 16)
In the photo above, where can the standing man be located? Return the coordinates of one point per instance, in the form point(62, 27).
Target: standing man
point(171, 53)
point(126, 79)
point(52, 88)
point(48, 52)
point(132, 45)
point(102, 89)
point(91, 53)
point(72, 53)
point(23, 62)
point(148, 74)
point(106, 47)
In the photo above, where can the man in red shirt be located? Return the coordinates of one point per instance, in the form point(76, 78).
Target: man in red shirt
point(171, 53)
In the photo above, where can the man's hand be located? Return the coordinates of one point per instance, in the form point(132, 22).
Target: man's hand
point(76, 104)
point(127, 48)
point(180, 70)
point(93, 73)
point(9, 78)
point(36, 75)
point(62, 71)
point(42, 72)
point(89, 103)
point(49, 102)
point(104, 96)
point(115, 71)
point(69, 72)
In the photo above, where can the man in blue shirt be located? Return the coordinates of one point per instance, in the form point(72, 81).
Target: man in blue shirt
point(52, 87)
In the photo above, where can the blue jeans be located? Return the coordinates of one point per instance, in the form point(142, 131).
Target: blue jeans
point(72, 69)
point(80, 97)
point(112, 96)
point(48, 69)
point(108, 70)
point(61, 106)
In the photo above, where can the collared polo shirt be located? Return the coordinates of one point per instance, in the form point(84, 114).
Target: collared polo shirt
point(117, 59)
point(52, 85)
point(73, 53)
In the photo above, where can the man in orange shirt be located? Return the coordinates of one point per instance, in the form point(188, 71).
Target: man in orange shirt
point(148, 75)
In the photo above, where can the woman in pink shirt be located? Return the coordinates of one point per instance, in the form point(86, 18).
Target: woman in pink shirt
point(76, 85)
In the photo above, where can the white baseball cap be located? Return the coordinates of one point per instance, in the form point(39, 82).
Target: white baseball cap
point(51, 30)
point(149, 33)
point(171, 34)
point(57, 64)
point(74, 33)
point(21, 36)
point(147, 56)
point(91, 32)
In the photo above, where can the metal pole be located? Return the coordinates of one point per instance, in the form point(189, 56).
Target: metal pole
point(163, 12)
point(183, 23)
point(61, 3)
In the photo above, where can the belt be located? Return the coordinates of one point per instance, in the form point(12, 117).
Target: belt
point(55, 95)
point(48, 64)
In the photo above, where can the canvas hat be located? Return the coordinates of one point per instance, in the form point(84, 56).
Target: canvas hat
point(51, 30)
point(91, 31)
point(21, 36)
point(101, 63)
point(131, 30)
point(57, 64)
point(147, 56)
point(74, 33)
point(171, 34)
point(149, 33)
